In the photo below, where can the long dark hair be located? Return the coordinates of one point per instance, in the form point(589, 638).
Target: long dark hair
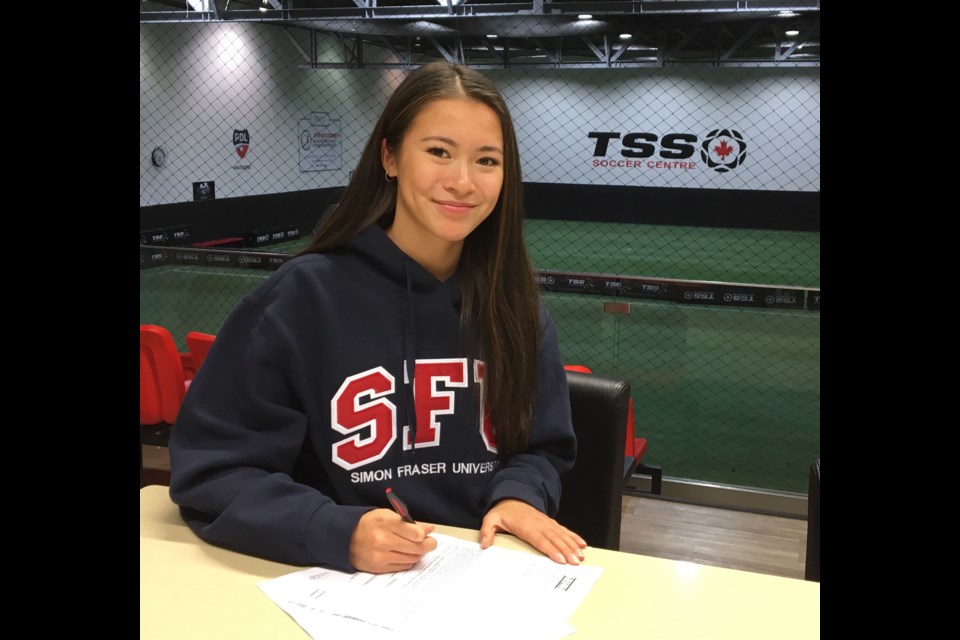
point(499, 296)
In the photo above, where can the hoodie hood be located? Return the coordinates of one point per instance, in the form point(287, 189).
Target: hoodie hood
point(375, 246)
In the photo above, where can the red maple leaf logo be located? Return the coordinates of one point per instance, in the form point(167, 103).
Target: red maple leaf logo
point(723, 149)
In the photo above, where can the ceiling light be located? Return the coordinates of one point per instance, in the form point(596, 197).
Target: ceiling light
point(453, 2)
point(792, 32)
point(787, 14)
point(426, 28)
point(625, 36)
point(584, 16)
point(491, 35)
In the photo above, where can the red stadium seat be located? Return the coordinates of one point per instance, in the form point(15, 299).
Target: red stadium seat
point(162, 383)
point(577, 367)
point(199, 344)
point(634, 448)
point(186, 361)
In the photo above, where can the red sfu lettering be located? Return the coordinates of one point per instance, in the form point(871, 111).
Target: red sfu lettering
point(431, 402)
point(348, 416)
point(361, 410)
point(486, 427)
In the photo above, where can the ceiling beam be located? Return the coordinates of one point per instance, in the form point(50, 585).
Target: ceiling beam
point(554, 58)
point(296, 45)
point(450, 57)
point(554, 31)
point(725, 56)
point(599, 9)
point(686, 37)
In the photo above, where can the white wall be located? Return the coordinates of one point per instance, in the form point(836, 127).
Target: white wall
point(777, 111)
point(198, 83)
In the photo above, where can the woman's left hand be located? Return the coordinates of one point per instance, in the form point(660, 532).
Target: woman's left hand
point(540, 531)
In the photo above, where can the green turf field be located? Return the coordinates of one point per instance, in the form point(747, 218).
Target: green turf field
point(788, 258)
point(725, 395)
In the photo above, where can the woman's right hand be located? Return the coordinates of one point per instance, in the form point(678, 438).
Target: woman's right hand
point(383, 542)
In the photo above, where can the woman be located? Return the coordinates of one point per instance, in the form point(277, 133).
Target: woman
point(406, 347)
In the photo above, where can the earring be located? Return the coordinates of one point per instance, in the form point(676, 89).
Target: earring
point(388, 177)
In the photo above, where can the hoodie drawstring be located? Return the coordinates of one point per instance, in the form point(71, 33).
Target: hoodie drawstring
point(409, 358)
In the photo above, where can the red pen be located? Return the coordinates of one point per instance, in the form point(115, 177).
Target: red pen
point(399, 506)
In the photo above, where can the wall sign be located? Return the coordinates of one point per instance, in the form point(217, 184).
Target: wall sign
point(204, 190)
point(319, 143)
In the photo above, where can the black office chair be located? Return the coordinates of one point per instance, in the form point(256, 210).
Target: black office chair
point(591, 501)
point(812, 568)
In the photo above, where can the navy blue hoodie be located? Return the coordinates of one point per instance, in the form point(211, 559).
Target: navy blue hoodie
point(300, 416)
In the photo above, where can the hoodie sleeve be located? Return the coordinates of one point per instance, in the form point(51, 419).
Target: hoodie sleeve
point(236, 442)
point(534, 476)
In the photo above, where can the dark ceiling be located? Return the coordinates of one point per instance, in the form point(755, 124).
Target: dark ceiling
point(543, 33)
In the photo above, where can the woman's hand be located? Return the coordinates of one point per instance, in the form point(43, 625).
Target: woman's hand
point(540, 531)
point(384, 543)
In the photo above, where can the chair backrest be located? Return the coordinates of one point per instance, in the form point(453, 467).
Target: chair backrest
point(161, 376)
point(633, 447)
point(590, 503)
point(199, 344)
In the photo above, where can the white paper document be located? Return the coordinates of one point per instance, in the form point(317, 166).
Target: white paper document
point(457, 590)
